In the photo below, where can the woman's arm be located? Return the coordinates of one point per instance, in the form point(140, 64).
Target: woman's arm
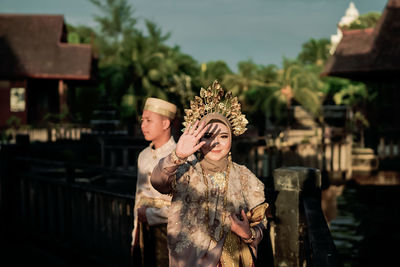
point(253, 224)
point(164, 174)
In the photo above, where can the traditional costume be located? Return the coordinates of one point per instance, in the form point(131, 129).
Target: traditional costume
point(149, 240)
point(204, 194)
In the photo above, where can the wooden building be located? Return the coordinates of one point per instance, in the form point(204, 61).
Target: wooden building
point(38, 66)
point(373, 57)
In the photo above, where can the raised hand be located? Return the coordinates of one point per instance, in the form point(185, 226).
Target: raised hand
point(189, 143)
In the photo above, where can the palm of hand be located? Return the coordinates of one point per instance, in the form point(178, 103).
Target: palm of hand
point(186, 145)
point(189, 143)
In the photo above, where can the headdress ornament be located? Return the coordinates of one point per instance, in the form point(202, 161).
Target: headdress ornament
point(214, 100)
point(161, 107)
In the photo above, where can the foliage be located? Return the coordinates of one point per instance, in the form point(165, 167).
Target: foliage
point(246, 78)
point(315, 52)
point(368, 20)
point(56, 117)
point(137, 63)
point(182, 87)
point(246, 84)
point(213, 70)
point(356, 96)
point(13, 122)
point(80, 34)
point(295, 83)
point(351, 94)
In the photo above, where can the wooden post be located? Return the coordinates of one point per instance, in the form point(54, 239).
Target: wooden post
point(62, 94)
point(291, 184)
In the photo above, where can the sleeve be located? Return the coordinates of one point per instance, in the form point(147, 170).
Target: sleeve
point(253, 188)
point(258, 220)
point(164, 174)
point(253, 192)
point(155, 215)
point(139, 176)
point(135, 207)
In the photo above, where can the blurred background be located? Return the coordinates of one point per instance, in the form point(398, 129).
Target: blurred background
point(318, 82)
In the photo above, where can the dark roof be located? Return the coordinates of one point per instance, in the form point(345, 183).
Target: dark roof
point(35, 46)
point(376, 50)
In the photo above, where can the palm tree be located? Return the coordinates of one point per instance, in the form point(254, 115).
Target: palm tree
point(356, 96)
point(294, 83)
point(246, 79)
point(315, 52)
point(181, 88)
point(213, 70)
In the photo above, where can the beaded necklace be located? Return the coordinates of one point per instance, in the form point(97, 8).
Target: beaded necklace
point(225, 198)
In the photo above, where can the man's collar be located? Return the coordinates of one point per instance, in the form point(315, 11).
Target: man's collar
point(165, 146)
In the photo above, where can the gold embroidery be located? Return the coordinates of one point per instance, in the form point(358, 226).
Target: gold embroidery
point(153, 202)
point(211, 101)
point(257, 214)
point(218, 179)
point(177, 160)
point(235, 253)
point(218, 233)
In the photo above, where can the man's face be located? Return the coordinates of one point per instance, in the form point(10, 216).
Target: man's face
point(152, 125)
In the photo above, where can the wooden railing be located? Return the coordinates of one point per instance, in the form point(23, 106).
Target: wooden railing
point(51, 133)
point(262, 156)
point(389, 148)
point(88, 210)
point(120, 151)
point(299, 233)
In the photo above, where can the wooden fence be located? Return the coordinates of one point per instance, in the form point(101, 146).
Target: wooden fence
point(49, 134)
point(78, 208)
point(262, 156)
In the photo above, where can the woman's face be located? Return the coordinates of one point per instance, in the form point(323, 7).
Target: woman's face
point(218, 141)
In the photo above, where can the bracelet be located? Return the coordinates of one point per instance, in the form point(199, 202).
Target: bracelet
point(177, 160)
point(252, 237)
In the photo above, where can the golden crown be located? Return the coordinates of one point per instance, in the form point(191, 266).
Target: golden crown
point(212, 100)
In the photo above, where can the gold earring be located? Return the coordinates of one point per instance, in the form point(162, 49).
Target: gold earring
point(230, 156)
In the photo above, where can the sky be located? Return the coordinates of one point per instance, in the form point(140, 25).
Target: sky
point(263, 31)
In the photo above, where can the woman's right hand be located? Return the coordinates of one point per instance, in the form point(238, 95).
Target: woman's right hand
point(189, 143)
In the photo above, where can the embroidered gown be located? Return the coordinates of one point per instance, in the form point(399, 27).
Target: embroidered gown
point(198, 222)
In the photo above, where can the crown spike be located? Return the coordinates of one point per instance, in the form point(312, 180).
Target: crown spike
point(215, 100)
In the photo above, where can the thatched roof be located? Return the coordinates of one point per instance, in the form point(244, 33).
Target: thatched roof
point(369, 52)
point(34, 46)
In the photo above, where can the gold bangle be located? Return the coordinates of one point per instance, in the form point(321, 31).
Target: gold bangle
point(177, 160)
point(252, 237)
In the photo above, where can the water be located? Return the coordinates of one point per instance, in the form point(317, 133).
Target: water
point(366, 228)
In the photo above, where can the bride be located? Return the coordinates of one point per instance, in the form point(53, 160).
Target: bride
point(217, 216)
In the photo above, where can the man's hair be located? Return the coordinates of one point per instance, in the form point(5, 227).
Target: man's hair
point(171, 121)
